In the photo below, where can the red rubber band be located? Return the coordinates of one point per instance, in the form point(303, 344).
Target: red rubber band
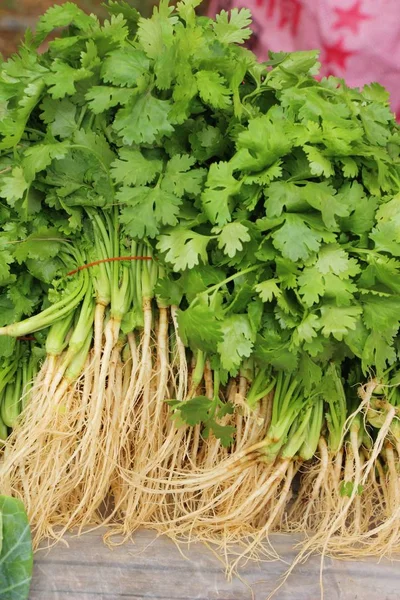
point(106, 260)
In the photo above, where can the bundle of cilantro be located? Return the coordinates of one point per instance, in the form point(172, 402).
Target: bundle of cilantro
point(197, 228)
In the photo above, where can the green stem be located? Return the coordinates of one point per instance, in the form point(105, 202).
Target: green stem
point(336, 400)
point(217, 381)
point(56, 340)
point(257, 392)
point(198, 371)
point(217, 286)
point(297, 435)
point(310, 444)
point(50, 315)
point(77, 364)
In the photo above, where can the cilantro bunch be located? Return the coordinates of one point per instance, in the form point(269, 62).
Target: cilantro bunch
point(247, 214)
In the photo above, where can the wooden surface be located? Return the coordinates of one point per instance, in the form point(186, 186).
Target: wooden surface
point(154, 568)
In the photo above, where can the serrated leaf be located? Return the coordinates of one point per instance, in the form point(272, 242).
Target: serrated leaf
point(43, 244)
point(143, 120)
point(60, 115)
point(62, 79)
point(266, 140)
point(378, 352)
point(14, 186)
point(183, 248)
point(319, 164)
point(238, 341)
point(40, 156)
point(307, 330)
point(221, 186)
point(169, 291)
point(224, 433)
point(212, 89)
point(233, 27)
point(157, 34)
point(124, 66)
point(96, 144)
point(268, 290)
point(333, 259)
point(337, 321)
point(311, 285)
point(199, 328)
point(102, 97)
point(179, 177)
point(61, 16)
point(133, 168)
point(323, 197)
point(195, 410)
point(145, 209)
point(231, 237)
point(350, 167)
point(6, 259)
point(295, 239)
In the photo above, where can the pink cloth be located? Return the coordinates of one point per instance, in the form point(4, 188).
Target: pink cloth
point(359, 39)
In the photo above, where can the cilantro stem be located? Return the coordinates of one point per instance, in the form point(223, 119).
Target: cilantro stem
point(217, 286)
point(257, 391)
point(49, 315)
point(217, 380)
point(82, 116)
point(198, 372)
point(37, 131)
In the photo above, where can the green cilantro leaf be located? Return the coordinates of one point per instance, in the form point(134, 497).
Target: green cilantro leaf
point(337, 321)
point(238, 341)
point(157, 34)
point(221, 186)
point(61, 16)
point(224, 433)
point(60, 115)
point(14, 186)
point(233, 27)
point(133, 168)
point(307, 331)
point(267, 139)
point(319, 164)
point(62, 79)
point(183, 248)
point(145, 209)
point(195, 410)
point(295, 239)
point(101, 97)
point(37, 158)
point(143, 120)
point(212, 89)
point(199, 328)
point(231, 237)
point(43, 244)
point(180, 178)
point(125, 66)
point(268, 290)
point(311, 285)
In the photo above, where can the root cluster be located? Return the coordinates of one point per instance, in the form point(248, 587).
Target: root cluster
point(103, 449)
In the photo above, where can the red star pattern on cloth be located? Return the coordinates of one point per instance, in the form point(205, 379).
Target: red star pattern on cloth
point(350, 18)
point(289, 12)
point(336, 54)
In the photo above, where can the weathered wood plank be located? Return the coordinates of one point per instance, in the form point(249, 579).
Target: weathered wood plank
point(154, 568)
